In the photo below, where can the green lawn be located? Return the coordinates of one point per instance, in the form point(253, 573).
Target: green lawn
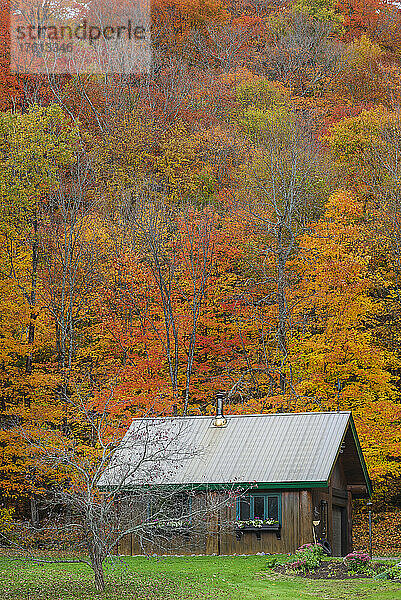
point(193, 578)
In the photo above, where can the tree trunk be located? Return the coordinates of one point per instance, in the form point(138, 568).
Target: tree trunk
point(32, 298)
point(97, 566)
point(34, 512)
point(282, 306)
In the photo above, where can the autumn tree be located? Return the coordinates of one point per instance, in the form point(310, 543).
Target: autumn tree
point(283, 184)
point(35, 147)
point(301, 50)
point(161, 280)
point(338, 359)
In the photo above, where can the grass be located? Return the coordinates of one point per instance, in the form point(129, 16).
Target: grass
point(192, 578)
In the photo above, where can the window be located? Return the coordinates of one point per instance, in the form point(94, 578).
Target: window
point(259, 506)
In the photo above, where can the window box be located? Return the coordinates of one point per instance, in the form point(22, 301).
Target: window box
point(240, 529)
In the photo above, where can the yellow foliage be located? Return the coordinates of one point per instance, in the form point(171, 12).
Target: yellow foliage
point(6, 519)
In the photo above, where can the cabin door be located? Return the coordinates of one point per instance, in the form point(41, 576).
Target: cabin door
point(338, 533)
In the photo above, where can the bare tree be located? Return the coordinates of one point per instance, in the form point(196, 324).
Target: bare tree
point(109, 485)
point(223, 47)
point(166, 90)
point(301, 51)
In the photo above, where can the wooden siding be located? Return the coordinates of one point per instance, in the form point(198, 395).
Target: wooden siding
point(299, 507)
point(217, 534)
point(338, 498)
point(338, 478)
point(305, 517)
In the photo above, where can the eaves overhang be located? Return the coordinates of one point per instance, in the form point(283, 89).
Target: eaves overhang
point(232, 486)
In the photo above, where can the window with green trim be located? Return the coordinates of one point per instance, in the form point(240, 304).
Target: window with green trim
point(259, 506)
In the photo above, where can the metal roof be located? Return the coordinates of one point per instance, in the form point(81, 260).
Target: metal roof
point(282, 448)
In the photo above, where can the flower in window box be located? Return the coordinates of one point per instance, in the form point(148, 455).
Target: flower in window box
point(255, 523)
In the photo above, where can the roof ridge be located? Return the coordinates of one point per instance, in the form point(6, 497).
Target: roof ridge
point(235, 415)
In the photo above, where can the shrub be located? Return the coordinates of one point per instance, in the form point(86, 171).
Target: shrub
point(357, 561)
point(308, 558)
point(392, 573)
point(315, 548)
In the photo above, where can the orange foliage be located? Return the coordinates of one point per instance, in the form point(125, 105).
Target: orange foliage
point(185, 302)
point(11, 86)
point(386, 532)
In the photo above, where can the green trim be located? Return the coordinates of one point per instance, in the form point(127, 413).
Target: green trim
point(361, 457)
point(252, 495)
point(263, 485)
point(260, 485)
point(210, 487)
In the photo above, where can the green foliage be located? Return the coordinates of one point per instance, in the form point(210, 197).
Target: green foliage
point(357, 142)
point(394, 572)
point(207, 187)
point(357, 562)
point(262, 93)
point(350, 138)
point(271, 562)
point(264, 108)
point(275, 121)
point(308, 557)
point(35, 146)
point(322, 10)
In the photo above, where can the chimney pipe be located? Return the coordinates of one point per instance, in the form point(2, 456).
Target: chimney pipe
point(220, 420)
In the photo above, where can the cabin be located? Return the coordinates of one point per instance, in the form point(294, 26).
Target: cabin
point(284, 479)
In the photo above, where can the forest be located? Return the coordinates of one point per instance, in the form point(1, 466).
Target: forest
point(228, 222)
